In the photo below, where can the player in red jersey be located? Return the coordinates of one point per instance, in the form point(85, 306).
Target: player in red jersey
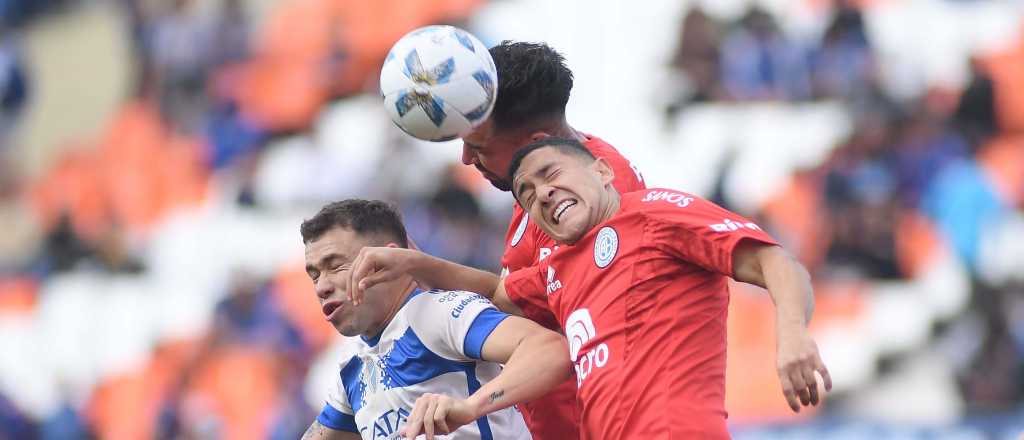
point(533, 89)
point(639, 285)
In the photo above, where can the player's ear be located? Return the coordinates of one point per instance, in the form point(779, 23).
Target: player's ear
point(604, 170)
point(392, 245)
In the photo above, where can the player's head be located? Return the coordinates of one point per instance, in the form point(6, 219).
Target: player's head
point(333, 238)
point(563, 187)
point(533, 88)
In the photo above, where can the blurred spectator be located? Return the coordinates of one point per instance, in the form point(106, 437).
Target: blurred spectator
point(180, 59)
point(229, 39)
point(697, 61)
point(925, 145)
point(65, 423)
point(13, 423)
point(14, 85)
point(860, 190)
point(976, 113)
point(844, 66)
point(249, 316)
point(760, 63)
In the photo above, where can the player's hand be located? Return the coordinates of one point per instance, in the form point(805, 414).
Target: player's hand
point(798, 360)
point(437, 414)
point(375, 265)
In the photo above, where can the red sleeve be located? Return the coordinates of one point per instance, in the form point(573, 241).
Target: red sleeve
point(696, 230)
point(526, 288)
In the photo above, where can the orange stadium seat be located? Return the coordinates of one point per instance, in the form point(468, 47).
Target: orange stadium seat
point(1003, 162)
point(18, 295)
point(917, 242)
point(240, 386)
point(794, 214)
point(127, 406)
point(1007, 70)
point(73, 186)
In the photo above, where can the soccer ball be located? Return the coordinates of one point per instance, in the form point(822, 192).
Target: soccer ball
point(438, 83)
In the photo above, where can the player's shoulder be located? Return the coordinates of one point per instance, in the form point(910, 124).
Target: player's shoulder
point(351, 347)
point(601, 149)
point(452, 304)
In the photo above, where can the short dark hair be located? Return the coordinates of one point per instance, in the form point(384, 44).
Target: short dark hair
point(533, 83)
point(363, 217)
point(570, 147)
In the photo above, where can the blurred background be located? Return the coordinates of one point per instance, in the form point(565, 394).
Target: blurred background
point(157, 157)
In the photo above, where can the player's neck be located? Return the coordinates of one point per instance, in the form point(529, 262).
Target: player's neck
point(399, 302)
point(560, 128)
point(612, 207)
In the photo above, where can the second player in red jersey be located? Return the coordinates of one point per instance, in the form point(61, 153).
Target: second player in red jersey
point(643, 301)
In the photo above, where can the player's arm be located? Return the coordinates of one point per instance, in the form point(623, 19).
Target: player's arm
point(536, 360)
point(375, 265)
point(317, 431)
point(789, 285)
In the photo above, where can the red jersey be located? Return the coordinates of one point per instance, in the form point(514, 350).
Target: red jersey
point(643, 299)
point(554, 416)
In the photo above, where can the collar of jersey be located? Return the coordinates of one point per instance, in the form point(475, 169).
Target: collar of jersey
point(376, 339)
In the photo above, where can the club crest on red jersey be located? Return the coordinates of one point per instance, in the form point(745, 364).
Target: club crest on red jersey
point(605, 246)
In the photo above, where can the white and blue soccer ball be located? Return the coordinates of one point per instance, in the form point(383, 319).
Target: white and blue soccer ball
point(438, 83)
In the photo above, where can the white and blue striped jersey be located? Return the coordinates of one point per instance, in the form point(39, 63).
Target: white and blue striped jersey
point(432, 345)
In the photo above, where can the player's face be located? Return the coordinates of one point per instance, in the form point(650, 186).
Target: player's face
point(564, 194)
point(491, 151)
point(328, 260)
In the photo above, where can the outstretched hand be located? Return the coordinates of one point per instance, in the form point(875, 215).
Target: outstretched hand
point(798, 360)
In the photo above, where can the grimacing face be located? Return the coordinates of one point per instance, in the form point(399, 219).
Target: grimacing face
point(491, 150)
point(328, 261)
point(564, 194)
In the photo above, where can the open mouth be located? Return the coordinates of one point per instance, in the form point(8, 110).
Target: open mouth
point(561, 209)
point(330, 308)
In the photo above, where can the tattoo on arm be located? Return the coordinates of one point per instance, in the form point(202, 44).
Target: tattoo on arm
point(309, 435)
point(497, 395)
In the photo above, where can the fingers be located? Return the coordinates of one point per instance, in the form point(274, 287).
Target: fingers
point(429, 415)
point(356, 273)
point(428, 418)
point(799, 383)
point(825, 377)
point(799, 386)
point(789, 392)
point(812, 383)
point(415, 420)
point(441, 415)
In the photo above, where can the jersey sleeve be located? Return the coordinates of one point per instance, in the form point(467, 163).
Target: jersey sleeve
point(454, 324)
point(698, 231)
point(525, 242)
point(337, 413)
point(527, 289)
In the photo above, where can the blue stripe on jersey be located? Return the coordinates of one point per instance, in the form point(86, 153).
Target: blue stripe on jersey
point(337, 420)
point(410, 362)
point(479, 330)
point(474, 384)
point(354, 389)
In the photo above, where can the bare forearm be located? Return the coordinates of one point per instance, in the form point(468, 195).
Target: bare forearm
point(443, 274)
point(789, 285)
point(539, 364)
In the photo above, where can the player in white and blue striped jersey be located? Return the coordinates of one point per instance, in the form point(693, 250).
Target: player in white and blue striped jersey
point(406, 343)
